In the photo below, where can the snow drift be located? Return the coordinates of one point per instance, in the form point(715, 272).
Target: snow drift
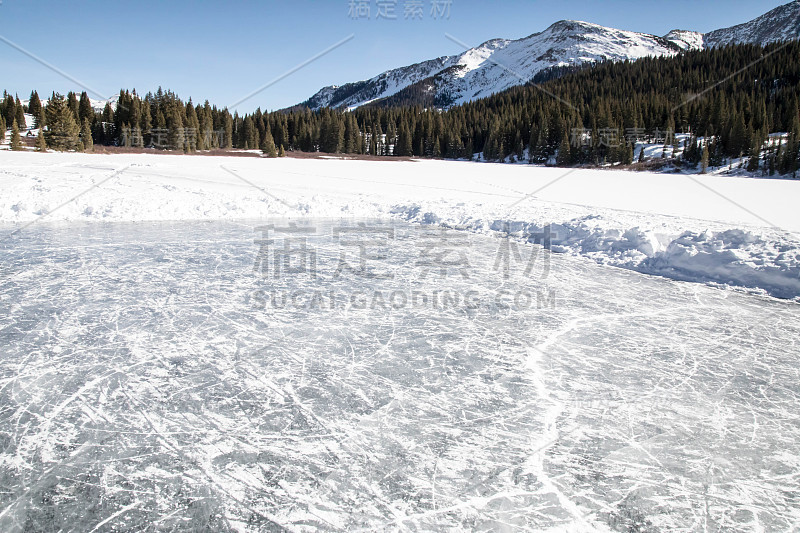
point(667, 225)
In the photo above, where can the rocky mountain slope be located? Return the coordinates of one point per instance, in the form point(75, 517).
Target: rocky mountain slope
point(780, 24)
point(499, 64)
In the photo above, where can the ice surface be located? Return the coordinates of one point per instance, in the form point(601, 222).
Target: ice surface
point(149, 380)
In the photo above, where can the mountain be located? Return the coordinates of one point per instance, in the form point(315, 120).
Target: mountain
point(500, 64)
point(780, 24)
point(687, 40)
point(97, 105)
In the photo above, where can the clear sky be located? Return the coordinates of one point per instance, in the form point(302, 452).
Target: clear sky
point(224, 50)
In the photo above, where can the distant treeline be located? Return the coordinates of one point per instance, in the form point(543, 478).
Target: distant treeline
point(728, 99)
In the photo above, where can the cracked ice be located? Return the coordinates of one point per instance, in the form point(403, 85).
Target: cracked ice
point(149, 380)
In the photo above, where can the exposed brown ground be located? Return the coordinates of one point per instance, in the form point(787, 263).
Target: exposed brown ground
point(99, 149)
point(653, 165)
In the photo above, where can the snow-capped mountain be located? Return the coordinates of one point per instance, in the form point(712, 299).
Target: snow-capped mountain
point(687, 40)
point(97, 105)
point(499, 64)
point(780, 24)
point(100, 105)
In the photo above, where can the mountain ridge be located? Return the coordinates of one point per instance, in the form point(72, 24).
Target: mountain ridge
point(499, 64)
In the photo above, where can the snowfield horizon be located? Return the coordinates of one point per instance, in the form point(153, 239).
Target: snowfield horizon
point(741, 232)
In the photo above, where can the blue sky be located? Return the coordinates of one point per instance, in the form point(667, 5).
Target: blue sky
point(223, 51)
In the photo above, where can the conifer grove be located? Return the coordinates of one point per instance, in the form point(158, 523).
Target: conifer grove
point(728, 99)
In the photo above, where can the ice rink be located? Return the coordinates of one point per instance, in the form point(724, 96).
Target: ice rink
point(152, 380)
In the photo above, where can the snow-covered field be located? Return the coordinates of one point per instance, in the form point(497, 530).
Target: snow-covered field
point(731, 230)
point(361, 380)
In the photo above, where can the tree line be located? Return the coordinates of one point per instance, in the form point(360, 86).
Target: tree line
point(560, 117)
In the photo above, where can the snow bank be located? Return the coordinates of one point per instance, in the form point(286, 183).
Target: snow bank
point(732, 257)
point(691, 228)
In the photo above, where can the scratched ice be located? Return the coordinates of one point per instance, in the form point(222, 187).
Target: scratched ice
point(150, 381)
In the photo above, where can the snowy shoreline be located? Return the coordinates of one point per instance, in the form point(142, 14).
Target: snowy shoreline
point(703, 229)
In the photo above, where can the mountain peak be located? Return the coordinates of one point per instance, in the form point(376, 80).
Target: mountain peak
point(499, 64)
point(780, 24)
point(686, 40)
point(573, 25)
point(569, 24)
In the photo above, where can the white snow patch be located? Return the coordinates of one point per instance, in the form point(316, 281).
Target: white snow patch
point(694, 228)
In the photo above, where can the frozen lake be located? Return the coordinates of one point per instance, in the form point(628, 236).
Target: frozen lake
point(391, 378)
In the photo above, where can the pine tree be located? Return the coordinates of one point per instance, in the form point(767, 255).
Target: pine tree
point(628, 155)
point(350, 135)
point(533, 142)
point(35, 109)
point(250, 134)
point(145, 123)
point(793, 152)
point(772, 163)
point(281, 153)
point(2, 129)
point(106, 124)
point(62, 131)
point(268, 144)
point(739, 140)
point(108, 113)
point(72, 103)
point(20, 115)
point(543, 151)
point(10, 109)
point(404, 147)
point(223, 123)
point(716, 153)
point(519, 147)
point(490, 147)
point(564, 155)
point(192, 127)
point(373, 142)
point(126, 136)
point(86, 136)
point(85, 111)
point(704, 158)
point(16, 142)
point(41, 144)
point(282, 132)
point(755, 156)
point(332, 134)
point(175, 137)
